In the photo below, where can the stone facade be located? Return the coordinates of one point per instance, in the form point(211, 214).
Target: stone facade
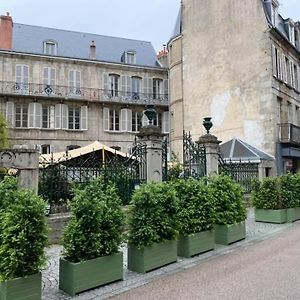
point(222, 66)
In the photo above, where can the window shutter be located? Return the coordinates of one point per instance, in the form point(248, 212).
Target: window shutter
point(58, 116)
point(78, 79)
point(46, 76)
point(52, 76)
point(145, 120)
point(129, 119)
point(71, 78)
point(52, 149)
point(128, 84)
point(38, 148)
point(274, 61)
point(31, 115)
point(298, 70)
point(279, 60)
point(124, 119)
point(166, 122)
point(166, 88)
point(52, 117)
point(10, 113)
point(291, 66)
point(105, 118)
point(284, 73)
point(18, 74)
point(105, 82)
point(37, 115)
point(145, 86)
point(84, 118)
point(123, 84)
point(25, 74)
point(64, 116)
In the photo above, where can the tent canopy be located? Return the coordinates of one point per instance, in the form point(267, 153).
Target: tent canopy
point(59, 157)
point(238, 150)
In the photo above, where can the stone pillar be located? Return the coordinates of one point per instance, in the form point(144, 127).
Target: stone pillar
point(152, 137)
point(24, 163)
point(211, 144)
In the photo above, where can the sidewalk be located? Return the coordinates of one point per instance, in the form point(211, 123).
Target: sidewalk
point(255, 232)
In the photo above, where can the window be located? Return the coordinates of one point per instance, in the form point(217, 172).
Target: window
point(21, 115)
point(48, 115)
point(22, 78)
point(136, 83)
point(287, 71)
point(130, 57)
point(274, 12)
point(114, 120)
point(157, 88)
point(292, 33)
point(114, 85)
point(50, 48)
point(157, 120)
point(295, 77)
point(72, 147)
point(45, 149)
point(74, 83)
point(74, 118)
point(117, 120)
point(49, 80)
point(136, 121)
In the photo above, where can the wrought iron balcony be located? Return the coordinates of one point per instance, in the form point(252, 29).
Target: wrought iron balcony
point(86, 94)
point(289, 133)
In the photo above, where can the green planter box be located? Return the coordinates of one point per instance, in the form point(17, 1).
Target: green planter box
point(291, 215)
point(228, 234)
point(78, 277)
point(196, 243)
point(152, 257)
point(24, 288)
point(271, 215)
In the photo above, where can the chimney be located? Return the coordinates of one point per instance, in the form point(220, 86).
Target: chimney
point(162, 57)
point(6, 25)
point(93, 50)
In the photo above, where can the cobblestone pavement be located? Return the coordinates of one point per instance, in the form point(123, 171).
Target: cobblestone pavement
point(254, 231)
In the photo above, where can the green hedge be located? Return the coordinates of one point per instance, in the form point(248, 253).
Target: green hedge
point(196, 208)
point(154, 215)
point(97, 223)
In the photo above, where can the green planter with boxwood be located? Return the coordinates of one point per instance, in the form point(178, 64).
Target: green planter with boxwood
point(267, 199)
point(230, 209)
point(22, 242)
point(153, 228)
point(196, 217)
point(91, 240)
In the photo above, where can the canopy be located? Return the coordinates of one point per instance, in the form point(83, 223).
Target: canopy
point(59, 157)
point(238, 150)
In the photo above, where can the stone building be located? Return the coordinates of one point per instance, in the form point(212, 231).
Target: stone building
point(62, 89)
point(237, 62)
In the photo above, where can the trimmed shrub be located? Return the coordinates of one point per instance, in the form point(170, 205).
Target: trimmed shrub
point(23, 231)
point(196, 208)
point(228, 200)
point(96, 226)
point(267, 194)
point(154, 215)
point(289, 185)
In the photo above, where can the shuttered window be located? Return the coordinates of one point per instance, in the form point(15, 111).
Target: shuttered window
point(75, 83)
point(22, 79)
point(10, 114)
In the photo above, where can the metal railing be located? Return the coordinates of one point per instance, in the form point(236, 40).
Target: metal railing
point(289, 133)
point(87, 94)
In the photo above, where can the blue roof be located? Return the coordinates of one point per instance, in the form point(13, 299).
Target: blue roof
point(29, 39)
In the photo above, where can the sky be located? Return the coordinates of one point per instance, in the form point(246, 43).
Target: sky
point(148, 20)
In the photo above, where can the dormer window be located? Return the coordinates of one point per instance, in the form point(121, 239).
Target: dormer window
point(275, 6)
point(50, 47)
point(129, 57)
point(292, 32)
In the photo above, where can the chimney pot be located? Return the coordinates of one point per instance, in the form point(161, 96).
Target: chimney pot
point(93, 50)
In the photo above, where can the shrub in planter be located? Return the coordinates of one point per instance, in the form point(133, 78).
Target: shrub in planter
point(22, 241)
point(196, 217)
point(153, 227)
point(230, 209)
point(268, 202)
point(92, 238)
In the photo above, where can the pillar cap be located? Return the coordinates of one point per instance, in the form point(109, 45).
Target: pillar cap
point(208, 139)
point(150, 130)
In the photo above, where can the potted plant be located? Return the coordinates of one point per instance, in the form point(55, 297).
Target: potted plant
point(230, 209)
point(22, 241)
point(92, 238)
point(195, 216)
point(268, 202)
point(153, 228)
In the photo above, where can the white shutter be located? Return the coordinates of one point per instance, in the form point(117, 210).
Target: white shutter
point(274, 61)
point(38, 148)
point(284, 72)
point(64, 116)
point(10, 113)
point(52, 117)
point(124, 119)
point(105, 118)
point(145, 120)
point(52, 76)
point(46, 76)
point(129, 119)
point(71, 78)
point(123, 84)
point(31, 115)
point(128, 84)
point(166, 88)
point(279, 66)
point(26, 76)
point(52, 149)
point(37, 115)
point(291, 65)
point(298, 70)
point(58, 110)
point(84, 118)
point(166, 122)
point(19, 72)
point(78, 79)
point(105, 82)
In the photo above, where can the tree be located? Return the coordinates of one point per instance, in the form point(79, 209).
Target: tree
point(3, 133)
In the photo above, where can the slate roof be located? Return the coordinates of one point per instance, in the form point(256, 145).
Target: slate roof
point(29, 39)
point(237, 149)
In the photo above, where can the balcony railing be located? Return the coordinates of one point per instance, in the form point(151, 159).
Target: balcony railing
point(86, 94)
point(289, 133)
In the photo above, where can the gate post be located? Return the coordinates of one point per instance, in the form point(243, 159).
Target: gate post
point(211, 144)
point(152, 138)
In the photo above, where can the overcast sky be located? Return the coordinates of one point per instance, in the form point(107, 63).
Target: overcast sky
point(150, 20)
